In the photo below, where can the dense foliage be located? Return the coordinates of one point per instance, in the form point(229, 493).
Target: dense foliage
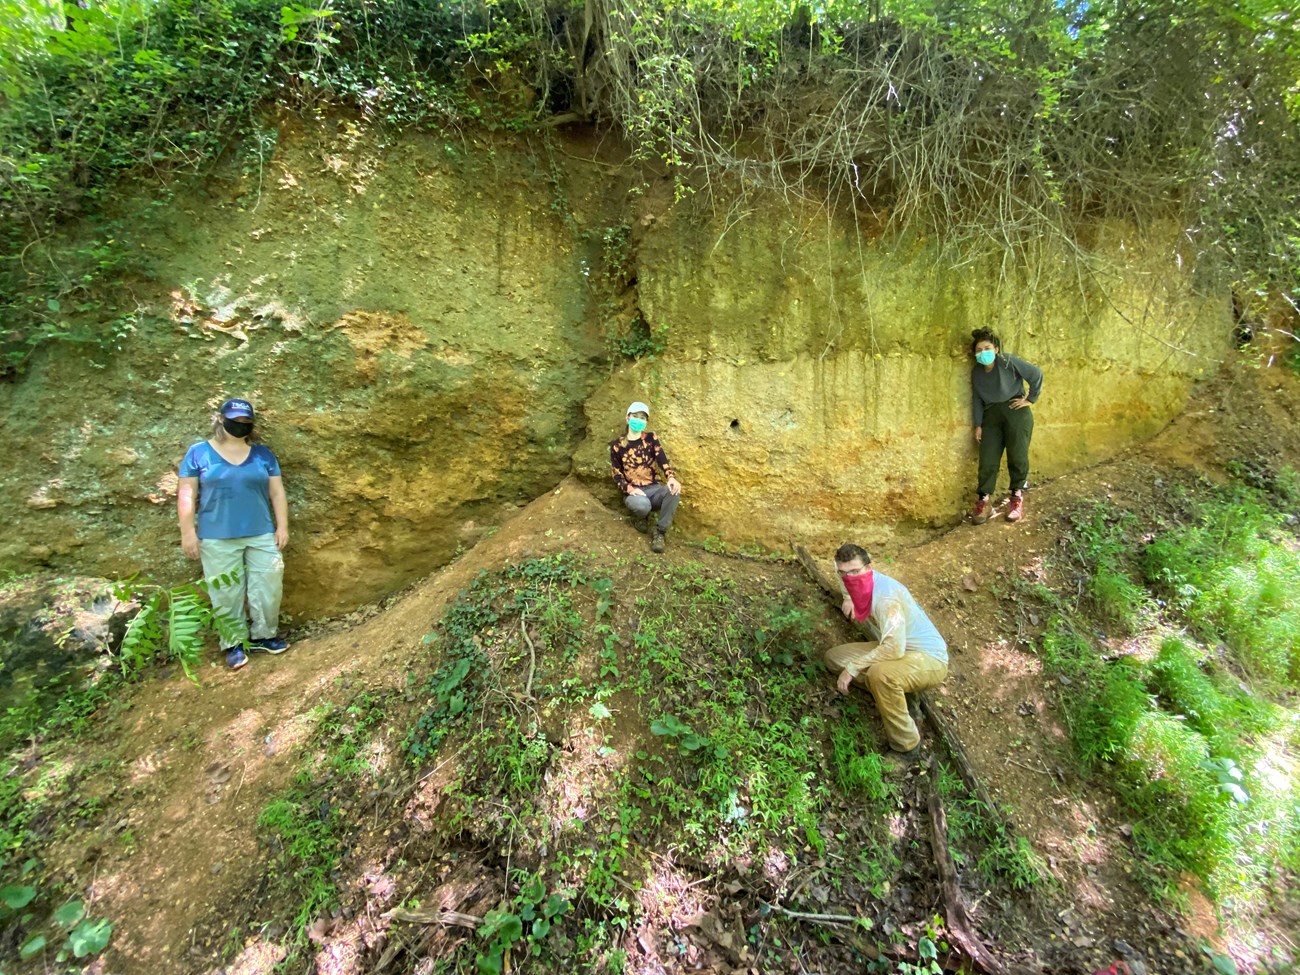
point(993, 126)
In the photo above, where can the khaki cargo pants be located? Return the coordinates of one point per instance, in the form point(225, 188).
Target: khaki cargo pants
point(260, 584)
point(889, 682)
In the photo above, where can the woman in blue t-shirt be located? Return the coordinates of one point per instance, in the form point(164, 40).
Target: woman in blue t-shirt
point(235, 518)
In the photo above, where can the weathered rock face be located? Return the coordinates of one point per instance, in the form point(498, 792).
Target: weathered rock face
point(816, 385)
point(50, 625)
point(423, 328)
point(412, 325)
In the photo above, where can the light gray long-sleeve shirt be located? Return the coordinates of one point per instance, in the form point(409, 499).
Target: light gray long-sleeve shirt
point(1006, 380)
point(900, 624)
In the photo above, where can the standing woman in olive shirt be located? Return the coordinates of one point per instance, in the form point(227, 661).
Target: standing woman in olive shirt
point(235, 518)
point(1002, 420)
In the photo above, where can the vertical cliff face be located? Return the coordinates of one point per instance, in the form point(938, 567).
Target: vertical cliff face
point(411, 321)
point(430, 328)
point(816, 382)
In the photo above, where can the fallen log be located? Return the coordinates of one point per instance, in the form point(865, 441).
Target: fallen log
point(957, 753)
point(434, 915)
point(960, 929)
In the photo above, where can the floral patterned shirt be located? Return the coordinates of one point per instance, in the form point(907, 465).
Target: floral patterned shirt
point(633, 463)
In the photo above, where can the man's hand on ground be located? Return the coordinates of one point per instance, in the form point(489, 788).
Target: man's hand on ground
point(842, 685)
point(846, 608)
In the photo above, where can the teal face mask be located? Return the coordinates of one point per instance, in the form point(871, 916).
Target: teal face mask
point(986, 357)
point(635, 424)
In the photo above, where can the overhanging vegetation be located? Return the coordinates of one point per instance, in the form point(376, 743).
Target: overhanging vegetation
point(994, 128)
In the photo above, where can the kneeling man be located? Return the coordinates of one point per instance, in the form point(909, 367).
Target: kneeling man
point(910, 656)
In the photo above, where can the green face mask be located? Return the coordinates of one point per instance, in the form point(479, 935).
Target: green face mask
point(635, 424)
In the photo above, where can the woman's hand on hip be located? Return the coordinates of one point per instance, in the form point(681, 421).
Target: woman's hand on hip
point(1019, 403)
point(281, 537)
point(979, 434)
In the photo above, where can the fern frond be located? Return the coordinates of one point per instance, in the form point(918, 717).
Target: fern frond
point(143, 635)
point(186, 620)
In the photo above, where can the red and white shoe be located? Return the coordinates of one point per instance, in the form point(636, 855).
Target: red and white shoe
point(982, 510)
point(1016, 510)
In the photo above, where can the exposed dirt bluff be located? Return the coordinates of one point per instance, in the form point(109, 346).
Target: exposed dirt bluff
point(424, 324)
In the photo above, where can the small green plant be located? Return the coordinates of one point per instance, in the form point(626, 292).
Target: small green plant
point(670, 726)
point(68, 930)
point(529, 918)
point(858, 767)
point(309, 852)
point(640, 341)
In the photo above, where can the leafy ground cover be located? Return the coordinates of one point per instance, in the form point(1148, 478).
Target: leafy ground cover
point(1181, 663)
point(614, 750)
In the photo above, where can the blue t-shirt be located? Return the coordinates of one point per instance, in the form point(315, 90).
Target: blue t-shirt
point(234, 499)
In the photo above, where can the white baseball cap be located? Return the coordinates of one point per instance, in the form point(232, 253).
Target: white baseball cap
point(638, 408)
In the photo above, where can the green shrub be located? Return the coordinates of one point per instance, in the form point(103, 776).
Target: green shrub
point(1106, 713)
point(1224, 714)
point(1236, 579)
point(1119, 599)
point(859, 768)
point(1185, 821)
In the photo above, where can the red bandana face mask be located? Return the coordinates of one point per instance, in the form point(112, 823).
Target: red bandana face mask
point(860, 589)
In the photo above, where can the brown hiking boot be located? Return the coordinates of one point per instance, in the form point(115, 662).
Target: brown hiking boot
point(1016, 510)
point(657, 540)
point(643, 524)
point(983, 509)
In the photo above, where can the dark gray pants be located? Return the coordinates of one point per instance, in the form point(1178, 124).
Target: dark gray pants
point(1009, 430)
point(657, 498)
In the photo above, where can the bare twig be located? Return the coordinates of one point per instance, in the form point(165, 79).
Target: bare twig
point(532, 656)
point(817, 918)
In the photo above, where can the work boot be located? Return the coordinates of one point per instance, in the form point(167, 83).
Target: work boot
point(983, 508)
point(1016, 510)
point(657, 540)
point(642, 524)
point(905, 759)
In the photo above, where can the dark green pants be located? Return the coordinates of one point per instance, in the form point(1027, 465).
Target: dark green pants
point(1009, 430)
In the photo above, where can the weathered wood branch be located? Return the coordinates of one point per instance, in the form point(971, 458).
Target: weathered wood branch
point(945, 734)
point(435, 915)
point(960, 929)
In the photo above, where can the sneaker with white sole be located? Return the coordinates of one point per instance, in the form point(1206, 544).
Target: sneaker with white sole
point(271, 644)
point(235, 657)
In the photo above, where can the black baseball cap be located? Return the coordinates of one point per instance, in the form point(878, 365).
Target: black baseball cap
point(237, 407)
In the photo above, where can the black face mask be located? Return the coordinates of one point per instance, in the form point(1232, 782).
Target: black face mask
point(237, 428)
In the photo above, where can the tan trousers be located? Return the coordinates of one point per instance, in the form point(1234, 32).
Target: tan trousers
point(260, 585)
point(889, 681)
